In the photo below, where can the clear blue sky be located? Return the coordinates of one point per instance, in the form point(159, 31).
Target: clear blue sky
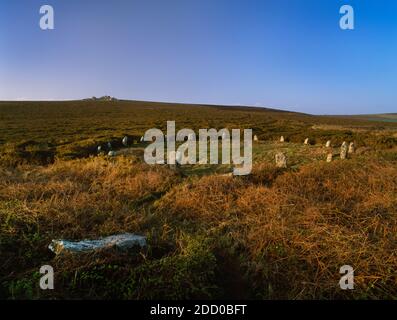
point(288, 54)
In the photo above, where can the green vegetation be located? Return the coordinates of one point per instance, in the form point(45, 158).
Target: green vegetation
point(39, 132)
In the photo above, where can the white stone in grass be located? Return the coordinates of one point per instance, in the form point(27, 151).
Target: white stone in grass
point(352, 148)
point(343, 150)
point(121, 241)
point(282, 139)
point(230, 174)
point(256, 138)
point(328, 144)
point(111, 154)
point(125, 141)
point(329, 157)
point(306, 141)
point(281, 160)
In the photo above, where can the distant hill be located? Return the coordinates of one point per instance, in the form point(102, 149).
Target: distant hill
point(385, 117)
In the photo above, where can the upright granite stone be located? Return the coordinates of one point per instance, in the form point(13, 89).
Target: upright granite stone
point(125, 141)
point(329, 157)
point(281, 160)
point(352, 148)
point(343, 150)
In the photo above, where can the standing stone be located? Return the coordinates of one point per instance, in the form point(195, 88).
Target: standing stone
point(256, 138)
point(329, 157)
point(351, 147)
point(306, 141)
point(125, 141)
point(111, 153)
point(282, 139)
point(343, 150)
point(281, 160)
point(99, 149)
point(141, 139)
point(328, 144)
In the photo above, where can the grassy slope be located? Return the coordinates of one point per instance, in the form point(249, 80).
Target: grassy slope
point(274, 234)
point(71, 121)
point(43, 130)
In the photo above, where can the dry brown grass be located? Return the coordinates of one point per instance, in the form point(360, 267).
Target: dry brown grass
point(75, 200)
point(83, 197)
point(280, 233)
point(296, 234)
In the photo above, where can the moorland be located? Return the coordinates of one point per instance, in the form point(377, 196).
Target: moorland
point(278, 233)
